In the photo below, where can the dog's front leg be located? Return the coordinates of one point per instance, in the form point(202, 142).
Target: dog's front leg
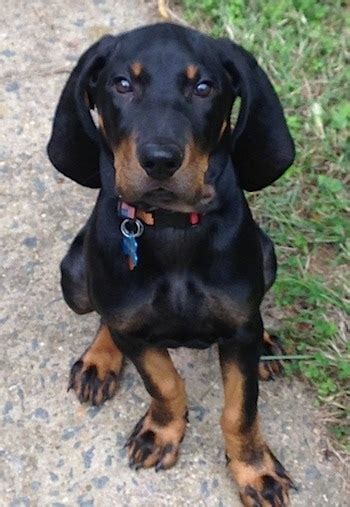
point(156, 438)
point(261, 479)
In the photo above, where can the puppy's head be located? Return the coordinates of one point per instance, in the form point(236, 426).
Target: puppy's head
point(163, 96)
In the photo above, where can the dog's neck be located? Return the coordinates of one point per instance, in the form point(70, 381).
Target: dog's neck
point(158, 217)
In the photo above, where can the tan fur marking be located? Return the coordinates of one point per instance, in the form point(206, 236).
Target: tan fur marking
point(101, 124)
point(166, 417)
point(103, 353)
point(274, 367)
point(136, 68)
point(197, 161)
point(170, 386)
point(130, 177)
point(191, 71)
point(164, 436)
point(250, 457)
point(223, 127)
point(102, 362)
point(231, 419)
point(188, 183)
point(264, 373)
point(267, 338)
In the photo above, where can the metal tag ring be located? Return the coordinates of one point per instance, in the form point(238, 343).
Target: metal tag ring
point(128, 224)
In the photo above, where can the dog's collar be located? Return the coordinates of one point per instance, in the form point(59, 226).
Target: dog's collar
point(159, 217)
point(134, 220)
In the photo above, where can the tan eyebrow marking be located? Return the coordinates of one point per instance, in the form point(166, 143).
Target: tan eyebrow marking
point(191, 71)
point(136, 68)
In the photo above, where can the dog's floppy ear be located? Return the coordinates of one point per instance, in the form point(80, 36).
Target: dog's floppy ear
point(262, 148)
point(73, 146)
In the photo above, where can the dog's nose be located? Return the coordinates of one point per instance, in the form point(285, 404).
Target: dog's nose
point(160, 161)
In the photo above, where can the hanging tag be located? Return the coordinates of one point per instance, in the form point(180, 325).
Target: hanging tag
point(131, 229)
point(130, 249)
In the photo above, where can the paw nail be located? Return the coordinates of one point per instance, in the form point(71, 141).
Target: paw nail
point(293, 485)
point(159, 467)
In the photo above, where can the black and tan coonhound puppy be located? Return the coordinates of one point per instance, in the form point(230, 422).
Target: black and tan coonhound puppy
point(171, 256)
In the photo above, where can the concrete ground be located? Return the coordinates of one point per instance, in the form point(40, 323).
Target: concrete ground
point(53, 451)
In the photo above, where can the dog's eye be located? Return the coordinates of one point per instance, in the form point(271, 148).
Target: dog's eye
point(203, 89)
point(123, 85)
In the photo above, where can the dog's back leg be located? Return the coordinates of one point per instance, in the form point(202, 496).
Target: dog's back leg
point(269, 259)
point(271, 345)
point(73, 276)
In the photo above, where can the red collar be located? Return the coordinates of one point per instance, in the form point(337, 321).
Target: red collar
point(159, 218)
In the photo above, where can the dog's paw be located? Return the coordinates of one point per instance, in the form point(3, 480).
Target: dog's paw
point(152, 445)
point(266, 491)
point(272, 368)
point(266, 484)
point(94, 377)
point(91, 384)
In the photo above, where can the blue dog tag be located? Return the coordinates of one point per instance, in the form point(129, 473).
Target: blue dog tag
point(131, 229)
point(130, 249)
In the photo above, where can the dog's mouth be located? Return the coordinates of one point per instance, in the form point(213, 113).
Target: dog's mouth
point(164, 198)
point(159, 196)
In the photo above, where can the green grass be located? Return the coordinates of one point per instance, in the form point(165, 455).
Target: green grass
point(302, 46)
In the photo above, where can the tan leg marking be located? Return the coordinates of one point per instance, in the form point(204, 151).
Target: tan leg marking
point(261, 479)
point(156, 438)
point(94, 376)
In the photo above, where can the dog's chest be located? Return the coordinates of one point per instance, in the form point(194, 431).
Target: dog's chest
point(181, 308)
